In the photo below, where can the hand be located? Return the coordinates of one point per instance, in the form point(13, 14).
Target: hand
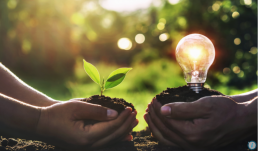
point(205, 123)
point(63, 124)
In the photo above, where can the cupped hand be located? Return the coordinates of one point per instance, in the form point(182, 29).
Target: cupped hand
point(63, 124)
point(209, 122)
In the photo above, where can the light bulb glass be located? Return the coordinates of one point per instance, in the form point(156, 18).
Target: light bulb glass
point(195, 53)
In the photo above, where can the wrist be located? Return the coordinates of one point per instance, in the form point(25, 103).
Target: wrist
point(18, 116)
point(50, 102)
point(43, 123)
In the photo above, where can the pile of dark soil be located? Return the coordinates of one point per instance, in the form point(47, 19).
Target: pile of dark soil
point(142, 141)
point(113, 103)
point(183, 94)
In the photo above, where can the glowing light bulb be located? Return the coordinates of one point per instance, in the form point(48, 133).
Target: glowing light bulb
point(195, 53)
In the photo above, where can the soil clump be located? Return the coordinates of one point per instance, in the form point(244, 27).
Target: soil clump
point(183, 94)
point(113, 103)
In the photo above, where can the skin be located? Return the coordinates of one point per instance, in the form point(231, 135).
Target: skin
point(13, 87)
point(209, 122)
point(28, 113)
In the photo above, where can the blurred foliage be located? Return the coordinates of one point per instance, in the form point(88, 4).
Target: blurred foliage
point(44, 38)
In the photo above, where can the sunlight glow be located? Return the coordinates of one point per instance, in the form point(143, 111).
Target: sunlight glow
point(139, 38)
point(124, 43)
point(194, 53)
point(173, 2)
point(125, 5)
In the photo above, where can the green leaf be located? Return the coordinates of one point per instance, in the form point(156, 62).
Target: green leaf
point(92, 71)
point(116, 77)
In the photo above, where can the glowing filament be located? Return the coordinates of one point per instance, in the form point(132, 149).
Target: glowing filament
point(194, 53)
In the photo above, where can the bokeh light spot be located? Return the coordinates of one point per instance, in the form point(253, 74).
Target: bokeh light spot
point(77, 18)
point(161, 26)
point(236, 70)
point(235, 14)
point(226, 70)
point(173, 2)
point(26, 46)
point(241, 74)
point(139, 38)
point(233, 8)
point(253, 50)
point(163, 37)
point(237, 41)
point(182, 22)
point(215, 7)
point(239, 54)
point(248, 2)
point(107, 21)
point(12, 4)
point(162, 20)
point(225, 18)
point(124, 43)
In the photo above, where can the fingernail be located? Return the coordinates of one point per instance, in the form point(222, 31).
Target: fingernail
point(111, 113)
point(165, 110)
point(129, 108)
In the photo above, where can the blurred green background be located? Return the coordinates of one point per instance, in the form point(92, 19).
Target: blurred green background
point(44, 41)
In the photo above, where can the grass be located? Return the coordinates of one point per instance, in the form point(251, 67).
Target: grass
point(141, 84)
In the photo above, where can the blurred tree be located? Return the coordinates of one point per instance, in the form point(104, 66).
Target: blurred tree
point(44, 38)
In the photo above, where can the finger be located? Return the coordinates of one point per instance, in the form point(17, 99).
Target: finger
point(188, 110)
point(128, 137)
point(147, 109)
point(181, 127)
point(103, 129)
point(85, 110)
point(123, 130)
point(156, 133)
point(135, 123)
point(167, 132)
point(157, 106)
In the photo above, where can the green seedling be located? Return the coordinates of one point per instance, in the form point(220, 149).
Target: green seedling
point(114, 79)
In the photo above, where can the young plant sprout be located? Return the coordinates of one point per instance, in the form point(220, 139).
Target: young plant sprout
point(114, 79)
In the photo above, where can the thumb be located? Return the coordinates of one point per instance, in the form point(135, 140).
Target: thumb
point(86, 111)
point(186, 110)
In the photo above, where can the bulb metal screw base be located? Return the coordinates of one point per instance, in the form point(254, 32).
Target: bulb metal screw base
point(196, 87)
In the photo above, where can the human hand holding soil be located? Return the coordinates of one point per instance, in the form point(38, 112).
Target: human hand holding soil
point(209, 122)
point(63, 125)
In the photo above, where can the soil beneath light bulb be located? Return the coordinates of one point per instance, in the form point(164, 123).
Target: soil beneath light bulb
point(142, 141)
